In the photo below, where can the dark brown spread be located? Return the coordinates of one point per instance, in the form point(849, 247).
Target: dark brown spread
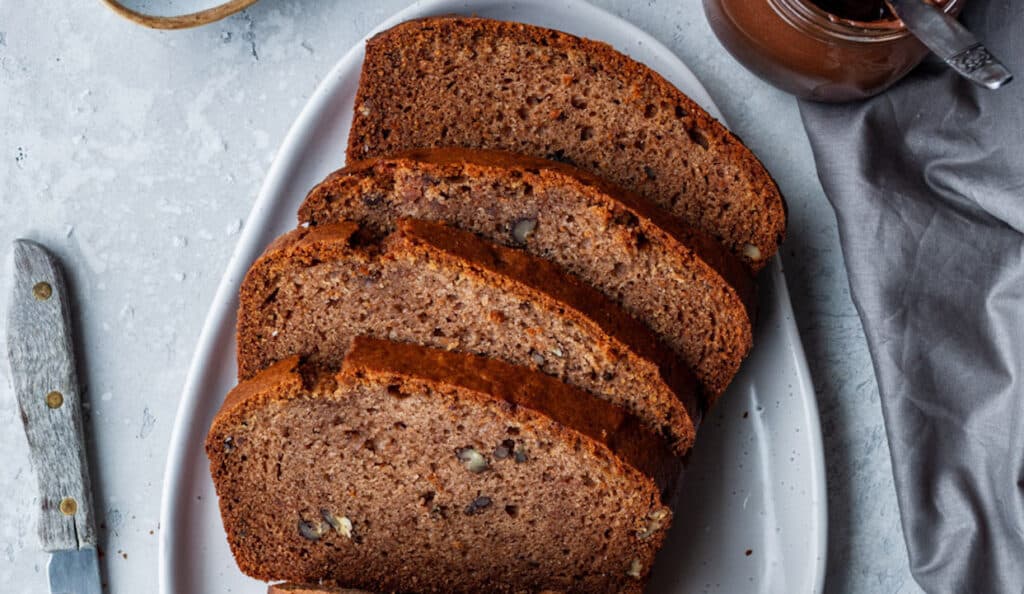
point(825, 50)
point(856, 10)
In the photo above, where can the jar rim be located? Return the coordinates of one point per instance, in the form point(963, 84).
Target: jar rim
point(806, 16)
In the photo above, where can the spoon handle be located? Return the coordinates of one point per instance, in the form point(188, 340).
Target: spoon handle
point(952, 42)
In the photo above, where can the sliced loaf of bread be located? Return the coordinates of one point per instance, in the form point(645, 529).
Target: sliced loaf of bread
point(422, 470)
point(480, 83)
point(316, 289)
point(680, 282)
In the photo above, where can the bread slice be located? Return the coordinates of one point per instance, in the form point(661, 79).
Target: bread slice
point(311, 589)
point(290, 588)
point(681, 283)
point(316, 289)
point(422, 470)
point(480, 83)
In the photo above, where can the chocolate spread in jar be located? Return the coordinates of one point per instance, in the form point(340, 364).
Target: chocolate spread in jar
point(856, 10)
point(824, 50)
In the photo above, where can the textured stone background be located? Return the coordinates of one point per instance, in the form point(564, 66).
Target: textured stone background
point(136, 155)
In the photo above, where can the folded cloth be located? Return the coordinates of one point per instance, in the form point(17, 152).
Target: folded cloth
point(927, 181)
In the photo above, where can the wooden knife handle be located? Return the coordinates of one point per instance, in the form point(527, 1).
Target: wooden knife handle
point(39, 345)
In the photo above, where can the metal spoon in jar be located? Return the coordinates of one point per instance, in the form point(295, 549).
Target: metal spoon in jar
point(951, 41)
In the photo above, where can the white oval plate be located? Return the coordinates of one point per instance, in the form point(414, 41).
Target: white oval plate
point(752, 518)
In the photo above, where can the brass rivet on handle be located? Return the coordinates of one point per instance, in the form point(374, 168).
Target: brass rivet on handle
point(68, 506)
point(42, 291)
point(54, 399)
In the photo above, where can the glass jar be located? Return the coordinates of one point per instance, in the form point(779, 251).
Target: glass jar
point(800, 48)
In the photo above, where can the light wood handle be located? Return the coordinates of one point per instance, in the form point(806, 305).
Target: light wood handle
point(39, 346)
point(182, 21)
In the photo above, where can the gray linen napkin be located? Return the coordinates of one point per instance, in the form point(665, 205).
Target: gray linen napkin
point(927, 181)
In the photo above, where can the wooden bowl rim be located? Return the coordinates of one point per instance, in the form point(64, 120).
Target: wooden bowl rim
point(183, 21)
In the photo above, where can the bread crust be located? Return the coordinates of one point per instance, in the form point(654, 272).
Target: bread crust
point(679, 281)
point(608, 425)
point(575, 416)
point(310, 589)
point(536, 279)
point(488, 379)
point(641, 87)
point(484, 161)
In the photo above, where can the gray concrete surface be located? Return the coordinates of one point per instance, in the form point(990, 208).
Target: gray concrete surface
point(136, 155)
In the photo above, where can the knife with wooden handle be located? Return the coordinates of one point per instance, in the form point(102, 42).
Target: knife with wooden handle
point(41, 353)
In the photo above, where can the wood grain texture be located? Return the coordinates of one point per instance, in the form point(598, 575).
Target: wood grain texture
point(39, 347)
point(183, 21)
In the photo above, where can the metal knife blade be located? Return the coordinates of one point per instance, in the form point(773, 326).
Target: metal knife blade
point(952, 42)
point(74, 572)
point(41, 354)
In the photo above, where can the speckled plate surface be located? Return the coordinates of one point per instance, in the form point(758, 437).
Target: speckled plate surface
point(752, 517)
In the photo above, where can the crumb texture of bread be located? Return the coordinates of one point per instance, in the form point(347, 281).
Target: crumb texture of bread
point(422, 470)
point(311, 589)
point(481, 83)
point(681, 283)
point(316, 289)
